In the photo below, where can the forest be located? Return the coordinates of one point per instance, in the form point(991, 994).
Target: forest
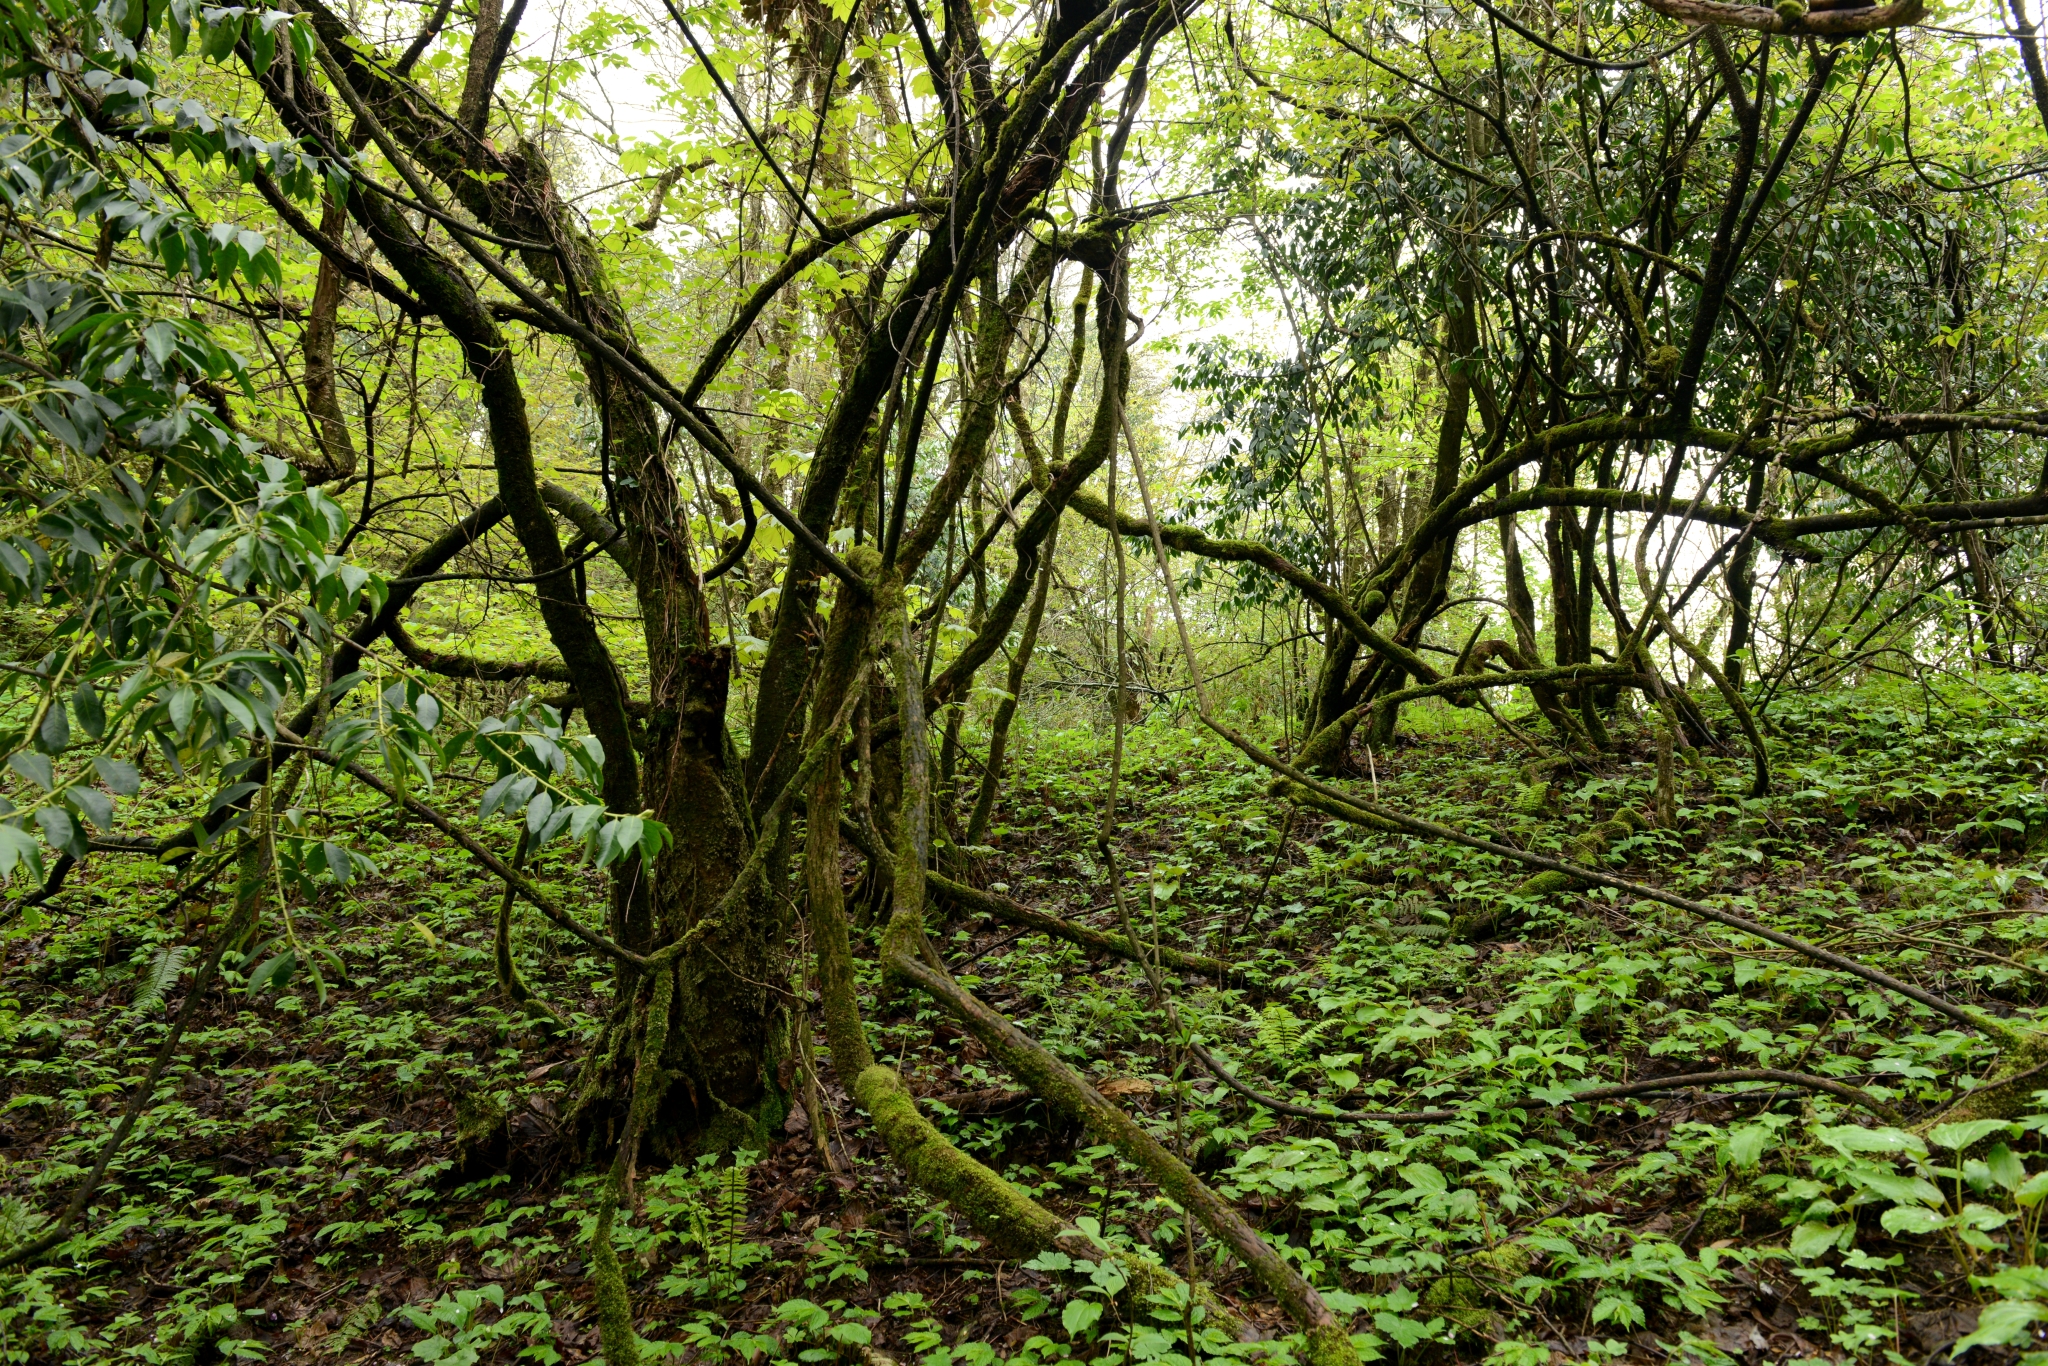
point(1011, 682)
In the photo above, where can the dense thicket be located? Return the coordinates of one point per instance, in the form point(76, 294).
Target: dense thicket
point(697, 431)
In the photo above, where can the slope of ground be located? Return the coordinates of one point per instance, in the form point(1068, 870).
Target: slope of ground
point(356, 1163)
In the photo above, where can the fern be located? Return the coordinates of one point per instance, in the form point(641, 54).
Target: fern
point(1413, 906)
point(163, 973)
point(718, 1211)
point(729, 1208)
point(1284, 1037)
point(352, 1326)
point(17, 1220)
point(1280, 1031)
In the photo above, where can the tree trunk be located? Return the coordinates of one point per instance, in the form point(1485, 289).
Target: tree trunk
point(727, 1027)
point(1432, 569)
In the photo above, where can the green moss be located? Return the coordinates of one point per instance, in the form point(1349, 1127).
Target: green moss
point(614, 1305)
point(2009, 1091)
point(1738, 1208)
point(1330, 1345)
point(650, 1081)
point(1462, 1297)
point(1589, 849)
point(1014, 1224)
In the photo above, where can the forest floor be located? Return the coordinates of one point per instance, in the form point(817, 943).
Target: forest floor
point(363, 1168)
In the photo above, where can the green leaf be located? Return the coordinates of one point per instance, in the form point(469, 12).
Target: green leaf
point(62, 832)
point(2006, 1168)
point(92, 717)
point(55, 732)
point(1957, 1137)
point(1080, 1316)
point(97, 806)
point(182, 700)
point(1911, 1219)
point(218, 38)
point(340, 866)
point(1109, 1276)
point(161, 340)
point(262, 46)
point(274, 972)
point(1746, 1145)
point(34, 767)
point(2001, 1324)
point(1811, 1240)
point(235, 707)
point(18, 846)
point(1425, 1178)
point(1854, 1138)
point(537, 812)
point(1891, 1185)
point(118, 774)
point(583, 820)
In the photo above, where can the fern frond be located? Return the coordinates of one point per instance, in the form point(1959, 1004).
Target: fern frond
point(353, 1325)
point(162, 975)
point(731, 1210)
point(1280, 1031)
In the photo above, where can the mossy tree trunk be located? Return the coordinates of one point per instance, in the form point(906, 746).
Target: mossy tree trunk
point(724, 1027)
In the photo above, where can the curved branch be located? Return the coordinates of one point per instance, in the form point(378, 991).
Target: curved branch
point(795, 264)
point(462, 666)
point(739, 547)
point(1016, 913)
point(1837, 23)
point(1359, 811)
point(499, 869)
point(1191, 541)
point(590, 524)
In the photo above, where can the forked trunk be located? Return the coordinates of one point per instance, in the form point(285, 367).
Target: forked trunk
point(728, 1026)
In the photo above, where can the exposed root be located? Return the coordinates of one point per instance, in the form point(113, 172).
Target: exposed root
point(1014, 1224)
point(650, 1082)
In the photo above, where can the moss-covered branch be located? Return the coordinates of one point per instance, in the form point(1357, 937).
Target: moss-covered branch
point(1016, 913)
point(1070, 1094)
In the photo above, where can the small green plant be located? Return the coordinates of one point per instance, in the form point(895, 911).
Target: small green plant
point(703, 1209)
point(465, 1327)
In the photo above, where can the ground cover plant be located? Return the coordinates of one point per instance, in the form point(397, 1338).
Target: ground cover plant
point(1029, 681)
point(369, 1169)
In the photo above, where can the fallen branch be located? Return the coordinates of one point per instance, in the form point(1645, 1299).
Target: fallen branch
point(1014, 1224)
point(1361, 812)
point(1016, 913)
point(1841, 1090)
point(1328, 1344)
